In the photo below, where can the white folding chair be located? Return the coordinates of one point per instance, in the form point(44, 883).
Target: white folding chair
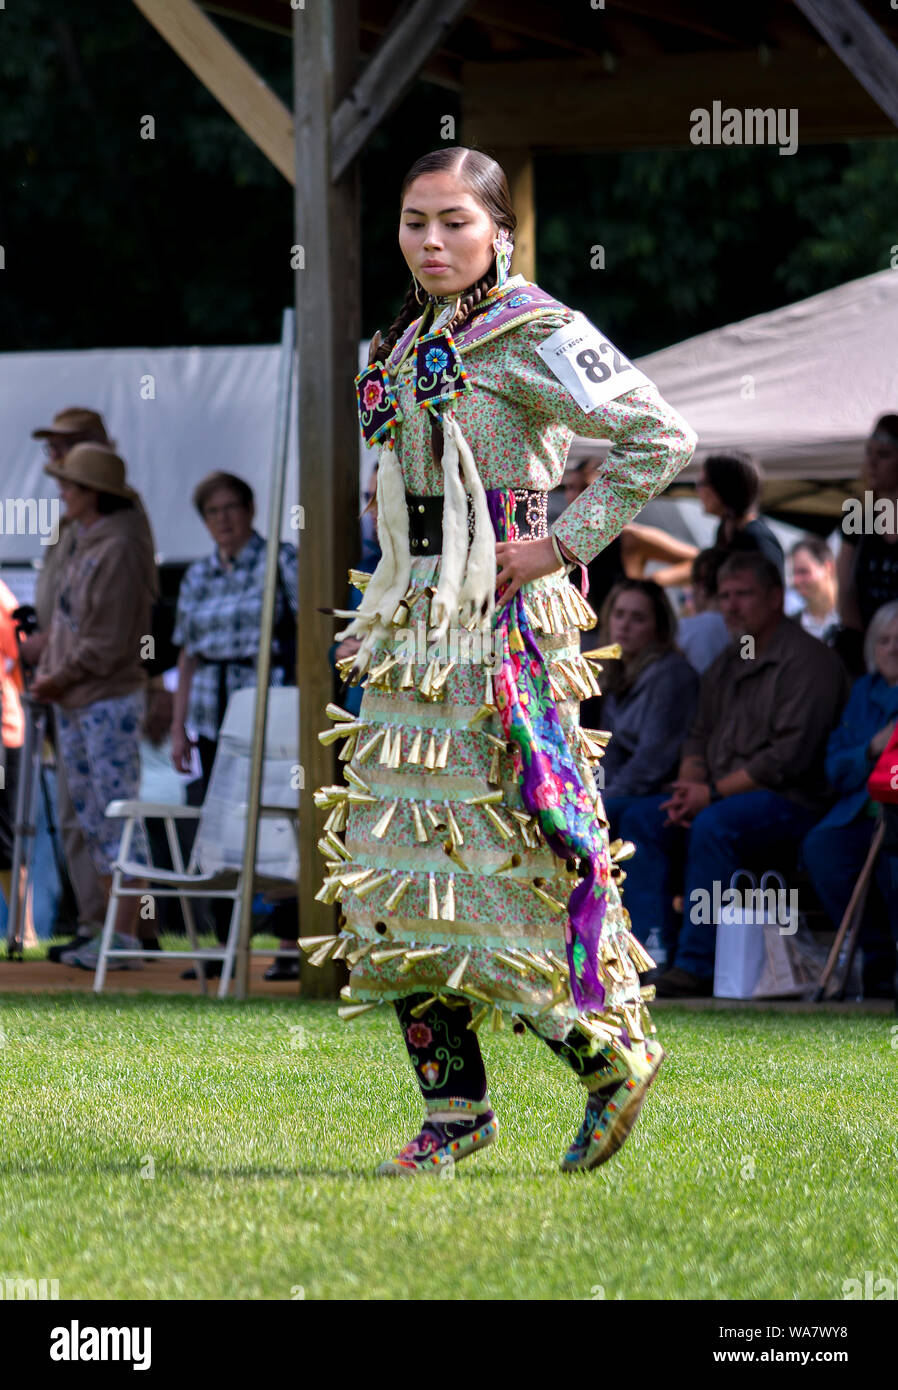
point(215, 868)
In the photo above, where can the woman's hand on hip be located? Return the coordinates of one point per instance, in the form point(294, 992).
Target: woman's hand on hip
point(520, 562)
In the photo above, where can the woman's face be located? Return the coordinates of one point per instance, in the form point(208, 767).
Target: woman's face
point(881, 466)
point(229, 521)
point(445, 235)
point(80, 502)
point(808, 575)
point(632, 622)
point(886, 652)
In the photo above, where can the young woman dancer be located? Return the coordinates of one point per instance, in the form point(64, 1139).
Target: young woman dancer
point(468, 845)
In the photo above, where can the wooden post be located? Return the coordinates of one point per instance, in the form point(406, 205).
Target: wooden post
point(327, 252)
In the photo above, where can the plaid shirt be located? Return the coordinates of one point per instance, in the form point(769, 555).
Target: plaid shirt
point(219, 615)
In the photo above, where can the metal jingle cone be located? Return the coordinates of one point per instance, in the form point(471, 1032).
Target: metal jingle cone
point(348, 749)
point(313, 943)
point(458, 838)
point(363, 889)
point(479, 1019)
point(333, 735)
point(392, 902)
point(421, 1009)
point(414, 753)
point(493, 775)
point(433, 906)
point(438, 821)
point(443, 752)
point(430, 757)
point(425, 684)
point(512, 964)
point(504, 830)
point(420, 828)
point(438, 684)
point(336, 712)
point(496, 1022)
point(378, 830)
point(356, 780)
point(408, 677)
point(454, 980)
point(396, 751)
point(450, 849)
point(386, 749)
point(368, 748)
point(347, 1012)
point(320, 956)
point(447, 907)
point(513, 861)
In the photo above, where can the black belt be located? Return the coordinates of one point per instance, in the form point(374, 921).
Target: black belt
point(223, 662)
point(425, 520)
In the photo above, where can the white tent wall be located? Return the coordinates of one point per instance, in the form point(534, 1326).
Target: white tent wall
point(210, 408)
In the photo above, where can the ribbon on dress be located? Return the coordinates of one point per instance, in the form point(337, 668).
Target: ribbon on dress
point(552, 788)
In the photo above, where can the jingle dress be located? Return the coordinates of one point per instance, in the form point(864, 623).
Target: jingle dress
point(440, 896)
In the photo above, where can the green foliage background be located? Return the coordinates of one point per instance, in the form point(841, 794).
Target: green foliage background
point(112, 240)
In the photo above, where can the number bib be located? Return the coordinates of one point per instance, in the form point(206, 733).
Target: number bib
point(588, 365)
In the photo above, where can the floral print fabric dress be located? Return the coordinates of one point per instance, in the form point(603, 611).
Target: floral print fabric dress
point(441, 895)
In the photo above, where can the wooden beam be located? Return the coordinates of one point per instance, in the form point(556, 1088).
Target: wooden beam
point(328, 297)
point(568, 106)
point(403, 51)
point(227, 75)
point(862, 46)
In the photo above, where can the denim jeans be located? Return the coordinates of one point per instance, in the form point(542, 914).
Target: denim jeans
point(722, 838)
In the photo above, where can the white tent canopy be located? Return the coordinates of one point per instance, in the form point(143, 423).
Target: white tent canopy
point(176, 414)
point(799, 388)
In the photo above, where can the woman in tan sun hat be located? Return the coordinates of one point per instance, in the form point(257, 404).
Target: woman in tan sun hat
point(93, 665)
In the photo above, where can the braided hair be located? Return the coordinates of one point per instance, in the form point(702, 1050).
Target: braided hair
point(486, 181)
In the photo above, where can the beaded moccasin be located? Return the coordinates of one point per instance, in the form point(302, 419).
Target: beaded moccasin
point(453, 1129)
point(611, 1112)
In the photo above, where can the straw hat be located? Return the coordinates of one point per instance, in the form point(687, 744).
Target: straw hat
point(96, 466)
point(75, 419)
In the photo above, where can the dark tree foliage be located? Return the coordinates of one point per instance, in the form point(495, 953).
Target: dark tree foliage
point(114, 240)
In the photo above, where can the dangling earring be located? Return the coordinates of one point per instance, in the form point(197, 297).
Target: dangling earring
point(503, 247)
point(417, 288)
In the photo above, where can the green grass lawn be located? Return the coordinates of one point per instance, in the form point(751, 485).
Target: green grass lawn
point(763, 1165)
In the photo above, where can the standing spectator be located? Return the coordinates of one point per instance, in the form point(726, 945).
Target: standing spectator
point(12, 726)
point(702, 635)
point(814, 578)
point(74, 425)
point(351, 697)
point(751, 778)
point(729, 487)
point(836, 848)
point(217, 628)
point(91, 667)
point(649, 696)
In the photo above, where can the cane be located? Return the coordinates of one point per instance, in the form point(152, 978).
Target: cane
point(852, 916)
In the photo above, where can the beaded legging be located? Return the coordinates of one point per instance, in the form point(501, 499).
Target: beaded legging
point(445, 1053)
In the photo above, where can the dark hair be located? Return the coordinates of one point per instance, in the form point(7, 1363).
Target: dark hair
point(816, 546)
point(204, 490)
point(887, 424)
point(621, 675)
point(764, 570)
point(107, 503)
point(736, 479)
point(705, 567)
point(485, 180)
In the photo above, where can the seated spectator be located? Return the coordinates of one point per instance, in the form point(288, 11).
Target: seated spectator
point(751, 780)
point(702, 634)
point(814, 578)
point(729, 487)
point(217, 629)
point(835, 850)
point(649, 697)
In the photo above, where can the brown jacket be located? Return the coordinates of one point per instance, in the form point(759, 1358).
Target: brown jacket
point(772, 715)
point(103, 612)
